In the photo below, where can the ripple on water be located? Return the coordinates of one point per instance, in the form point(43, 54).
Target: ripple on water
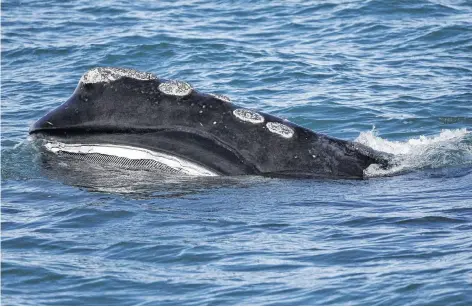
point(338, 68)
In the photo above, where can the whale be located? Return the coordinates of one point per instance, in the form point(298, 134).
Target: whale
point(132, 118)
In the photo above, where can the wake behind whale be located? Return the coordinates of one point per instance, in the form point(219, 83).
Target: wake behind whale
point(133, 119)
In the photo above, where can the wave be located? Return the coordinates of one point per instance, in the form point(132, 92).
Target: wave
point(449, 148)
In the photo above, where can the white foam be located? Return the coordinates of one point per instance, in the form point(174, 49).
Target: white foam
point(109, 74)
point(450, 147)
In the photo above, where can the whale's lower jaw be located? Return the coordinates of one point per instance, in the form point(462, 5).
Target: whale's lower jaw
point(129, 157)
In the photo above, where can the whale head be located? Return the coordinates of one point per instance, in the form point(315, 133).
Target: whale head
point(135, 118)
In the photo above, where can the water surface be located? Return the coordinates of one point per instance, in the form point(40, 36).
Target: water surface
point(339, 68)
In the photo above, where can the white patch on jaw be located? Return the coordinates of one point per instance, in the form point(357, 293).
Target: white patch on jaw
point(134, 153)
point(221, 97)
point(109, 74)
point(175, 88)
point(280, 129)
point(248, 116)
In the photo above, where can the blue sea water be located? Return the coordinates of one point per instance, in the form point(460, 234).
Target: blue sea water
point(337, 67)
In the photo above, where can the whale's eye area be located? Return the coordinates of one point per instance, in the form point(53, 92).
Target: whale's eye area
point(109, 74)
point(280, 129)
point(175, 88)
point(248, 116)
point(221, 97)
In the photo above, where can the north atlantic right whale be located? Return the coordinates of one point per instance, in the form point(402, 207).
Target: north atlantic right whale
point(134, 118)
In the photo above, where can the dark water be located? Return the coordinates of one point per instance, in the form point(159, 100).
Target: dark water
point(340, 68)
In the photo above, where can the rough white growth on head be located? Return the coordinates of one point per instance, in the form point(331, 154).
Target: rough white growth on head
point(248, 116)
point(280, 129)
point(109, 74)
point(221, 97)
point(175, 88)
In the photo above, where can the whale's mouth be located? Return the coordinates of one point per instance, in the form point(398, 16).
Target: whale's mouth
point(128, 157)
point(186, 152)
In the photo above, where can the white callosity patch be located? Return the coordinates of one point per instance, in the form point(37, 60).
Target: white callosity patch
point(280, 129)
point(175, 88)
point(109, 74)
point(134, 153)
point(450, 147)
point(248, 116)
point(221, 97)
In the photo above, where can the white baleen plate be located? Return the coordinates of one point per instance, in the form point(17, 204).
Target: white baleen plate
point(135, 153)
point(221, 97)
point(109, 74)
point(248, 116)
point(280, 129)
point(175, 88)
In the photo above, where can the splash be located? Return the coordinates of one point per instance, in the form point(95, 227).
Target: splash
point(449, 148)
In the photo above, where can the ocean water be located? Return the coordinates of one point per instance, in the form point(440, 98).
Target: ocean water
point(394, 75)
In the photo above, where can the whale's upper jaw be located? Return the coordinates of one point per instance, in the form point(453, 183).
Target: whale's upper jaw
point(122, 107)
point(80, 110)
point(133, 108)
